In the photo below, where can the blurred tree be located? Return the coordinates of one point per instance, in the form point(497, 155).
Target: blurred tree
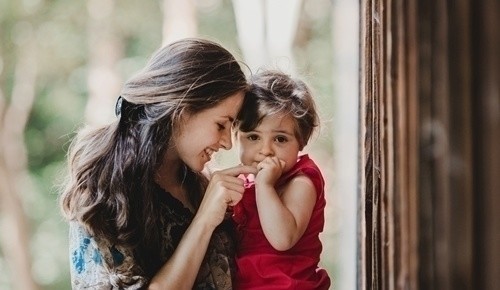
point(179, 20)
point(83, 50)
point(267, 30)
point(105, 49)
point(14, 114)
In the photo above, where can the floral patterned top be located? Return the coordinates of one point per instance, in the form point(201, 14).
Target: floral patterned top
point(97, 264)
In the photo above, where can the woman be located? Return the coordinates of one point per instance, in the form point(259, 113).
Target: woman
point(141, 212)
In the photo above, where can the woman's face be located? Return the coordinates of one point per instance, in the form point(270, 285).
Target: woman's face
point(203, 133)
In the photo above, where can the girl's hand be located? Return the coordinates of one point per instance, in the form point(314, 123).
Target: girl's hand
point(269, 170)
point(225, 189)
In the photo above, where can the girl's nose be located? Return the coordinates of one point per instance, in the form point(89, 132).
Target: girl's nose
point(266, 149)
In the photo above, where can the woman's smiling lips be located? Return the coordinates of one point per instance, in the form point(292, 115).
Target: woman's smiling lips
point(209, 152)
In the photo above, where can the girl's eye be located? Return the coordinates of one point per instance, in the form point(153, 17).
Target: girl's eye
point(252, 137)
point(281, 139)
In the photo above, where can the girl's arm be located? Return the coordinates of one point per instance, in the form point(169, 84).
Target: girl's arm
point(284, 218)
point(180, 271)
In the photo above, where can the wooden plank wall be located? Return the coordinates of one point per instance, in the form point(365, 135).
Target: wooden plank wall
point(429, 139)
point(485, 79)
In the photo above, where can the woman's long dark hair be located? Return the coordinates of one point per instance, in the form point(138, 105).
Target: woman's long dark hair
point(111, 182)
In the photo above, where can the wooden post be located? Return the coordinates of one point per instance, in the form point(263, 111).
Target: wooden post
point(430, 114)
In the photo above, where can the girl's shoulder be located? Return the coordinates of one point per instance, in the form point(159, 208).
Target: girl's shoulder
point(304, 166)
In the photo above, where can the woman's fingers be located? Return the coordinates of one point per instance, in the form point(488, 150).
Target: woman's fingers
point(233, 187)
point(224, 189)
point(228, 178)
point(237, 170)
point(233, 197)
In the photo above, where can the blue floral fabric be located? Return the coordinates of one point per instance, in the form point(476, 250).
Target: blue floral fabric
point(97, 264)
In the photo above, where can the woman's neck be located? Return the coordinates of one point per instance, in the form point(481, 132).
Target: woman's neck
point(167, 177)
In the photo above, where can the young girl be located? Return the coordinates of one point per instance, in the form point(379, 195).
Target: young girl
point(280, 215)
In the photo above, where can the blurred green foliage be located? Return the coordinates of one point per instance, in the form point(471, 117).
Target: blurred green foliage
point(60, 29)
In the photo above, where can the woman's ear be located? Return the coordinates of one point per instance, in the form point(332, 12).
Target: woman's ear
point(178, 123)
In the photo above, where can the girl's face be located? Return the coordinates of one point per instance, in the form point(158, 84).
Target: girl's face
point(274, 136)
point(203, 133)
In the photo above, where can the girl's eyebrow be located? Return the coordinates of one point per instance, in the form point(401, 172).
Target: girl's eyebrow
point(282, 132)
point(273, 131)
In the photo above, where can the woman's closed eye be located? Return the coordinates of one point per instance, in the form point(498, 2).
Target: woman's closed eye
point(221, 127)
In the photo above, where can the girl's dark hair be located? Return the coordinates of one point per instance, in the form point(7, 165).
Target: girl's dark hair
point(111, 187)
point(274, 92)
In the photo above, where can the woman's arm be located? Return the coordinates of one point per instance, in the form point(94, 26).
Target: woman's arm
point(96, 264)
point(180, 271)
point(285, 217)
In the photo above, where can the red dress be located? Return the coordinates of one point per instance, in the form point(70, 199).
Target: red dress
point(259, 265)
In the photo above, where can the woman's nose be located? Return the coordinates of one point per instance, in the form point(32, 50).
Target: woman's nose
point(225, 140)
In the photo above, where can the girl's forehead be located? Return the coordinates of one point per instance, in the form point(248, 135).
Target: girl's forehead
point(278, 120)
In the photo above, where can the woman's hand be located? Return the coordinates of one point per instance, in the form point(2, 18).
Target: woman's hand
point(225, 189)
